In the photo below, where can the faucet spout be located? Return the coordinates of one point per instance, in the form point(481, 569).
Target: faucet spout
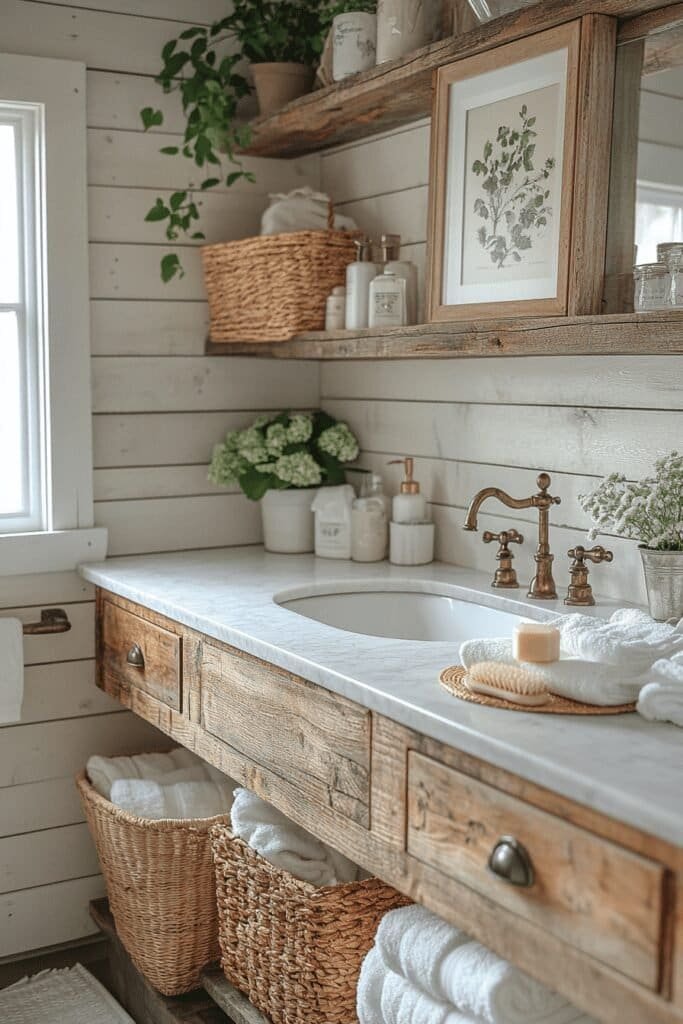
point(542, 585)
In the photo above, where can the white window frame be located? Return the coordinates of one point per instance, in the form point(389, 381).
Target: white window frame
point(69, 536)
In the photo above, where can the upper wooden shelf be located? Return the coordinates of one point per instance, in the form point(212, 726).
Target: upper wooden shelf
point(617, 334)
point(400, 91)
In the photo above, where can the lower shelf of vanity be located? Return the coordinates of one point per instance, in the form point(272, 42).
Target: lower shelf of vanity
point(599, 921)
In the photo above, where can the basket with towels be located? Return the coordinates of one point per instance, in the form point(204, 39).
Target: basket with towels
point(295, 920)
point(150, 817)
point(423, 970)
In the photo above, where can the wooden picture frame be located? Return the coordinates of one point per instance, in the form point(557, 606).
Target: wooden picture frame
point(535, 245)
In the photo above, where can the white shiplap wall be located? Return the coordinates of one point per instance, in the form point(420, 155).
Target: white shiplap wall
point(158, 407)
point(480, 422)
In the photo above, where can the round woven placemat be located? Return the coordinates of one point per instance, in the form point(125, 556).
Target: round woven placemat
point(453, 679)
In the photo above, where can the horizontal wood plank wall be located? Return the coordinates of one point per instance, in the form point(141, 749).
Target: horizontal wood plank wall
point(474, 423)
point(158, 407)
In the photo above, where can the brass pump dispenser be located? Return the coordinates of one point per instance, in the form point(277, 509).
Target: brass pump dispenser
point(409, 506)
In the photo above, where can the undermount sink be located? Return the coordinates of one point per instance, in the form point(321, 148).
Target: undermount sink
point(402, 614)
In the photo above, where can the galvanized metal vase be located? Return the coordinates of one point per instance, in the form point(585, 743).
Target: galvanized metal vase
point(664, 582)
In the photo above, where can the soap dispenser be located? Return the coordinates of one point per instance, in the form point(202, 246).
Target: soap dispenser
point(359, 274)
point(390, 248)
point(411, 533)
point(409, 505)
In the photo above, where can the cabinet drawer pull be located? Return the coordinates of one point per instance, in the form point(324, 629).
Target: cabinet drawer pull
point(135, 656)
point(511, 862)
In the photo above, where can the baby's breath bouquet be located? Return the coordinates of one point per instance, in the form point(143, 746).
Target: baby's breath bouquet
point(290, 450)
point(648, 510)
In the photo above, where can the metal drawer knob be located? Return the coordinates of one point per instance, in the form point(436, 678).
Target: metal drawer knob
point(135, 657)
point(511, 862)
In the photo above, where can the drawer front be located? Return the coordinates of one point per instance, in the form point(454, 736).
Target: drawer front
point(299, 731)
point(587, 891)
point(139, 653)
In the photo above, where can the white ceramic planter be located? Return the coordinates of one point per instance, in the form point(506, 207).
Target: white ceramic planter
point(354, 43)
point(404, 26)
point(288, 520)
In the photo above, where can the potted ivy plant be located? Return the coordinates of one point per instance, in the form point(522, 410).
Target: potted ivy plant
point(282, 40)
point(650, 511)
point(281, 461)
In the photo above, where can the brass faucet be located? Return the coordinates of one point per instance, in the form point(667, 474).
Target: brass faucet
point(542, 585)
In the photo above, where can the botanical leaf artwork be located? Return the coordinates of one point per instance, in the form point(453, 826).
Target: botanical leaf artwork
point(514, 205)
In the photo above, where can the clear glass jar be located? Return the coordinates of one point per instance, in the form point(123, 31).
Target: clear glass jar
point(671, 254)
point(652, 287)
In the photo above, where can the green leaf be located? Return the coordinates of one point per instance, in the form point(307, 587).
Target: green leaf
point(255, 484)
point(190, 33)
point(170, 266)
point(168, 49)
point(151, 118)
point(177, 200)
point(209, 183)
point(198, 234)
point(158, 212)
point(170, 150)
point(233, 177)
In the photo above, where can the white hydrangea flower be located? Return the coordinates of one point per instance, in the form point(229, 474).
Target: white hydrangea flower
point(300, 428)
point(226, 465)
point(276, 438)
point(254, 453)
point(298, 470)
point(339, 442)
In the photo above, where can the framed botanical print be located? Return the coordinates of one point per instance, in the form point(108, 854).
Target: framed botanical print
point(504, 135)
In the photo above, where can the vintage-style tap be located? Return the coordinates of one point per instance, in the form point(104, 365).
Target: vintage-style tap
point(542, 585)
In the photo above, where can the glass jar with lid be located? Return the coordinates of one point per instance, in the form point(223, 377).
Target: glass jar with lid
point(671, 254)
point(652, 287)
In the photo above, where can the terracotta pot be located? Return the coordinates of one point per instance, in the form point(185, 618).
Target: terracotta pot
point(277, 84)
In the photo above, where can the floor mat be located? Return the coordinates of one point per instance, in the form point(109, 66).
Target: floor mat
point(55, 997)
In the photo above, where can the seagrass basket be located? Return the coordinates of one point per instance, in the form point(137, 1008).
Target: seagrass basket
point(294, 950)
point(272, 287)
point(161, 888)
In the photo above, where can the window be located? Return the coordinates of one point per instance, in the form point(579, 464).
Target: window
point(659, 217)
point(46, 503)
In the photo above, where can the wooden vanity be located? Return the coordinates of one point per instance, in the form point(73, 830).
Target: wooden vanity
point(599, 923)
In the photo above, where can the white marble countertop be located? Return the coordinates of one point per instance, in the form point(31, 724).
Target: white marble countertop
point(620, 765)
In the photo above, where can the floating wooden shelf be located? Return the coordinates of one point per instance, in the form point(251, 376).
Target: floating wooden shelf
point(400, 91)
point(617, 334)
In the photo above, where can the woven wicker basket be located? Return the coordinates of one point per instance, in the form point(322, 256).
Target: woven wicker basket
point(295, 950)
point(271, 287)
point(161, 889)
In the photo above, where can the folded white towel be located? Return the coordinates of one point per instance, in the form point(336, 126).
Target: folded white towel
point(481, 983)
point(149, 798)
point(575, 678)
point(369, 989)
point(630, 639)
point(661, 699)
point(413, 942)
point(285, 844)
point(11, 670)
point(103, 771)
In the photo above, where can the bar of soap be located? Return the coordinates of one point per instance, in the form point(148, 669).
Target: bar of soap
point(536, 642)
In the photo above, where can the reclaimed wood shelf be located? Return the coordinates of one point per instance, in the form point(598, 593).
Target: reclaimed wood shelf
point(217, 1002)
point(615, 334)
point(400, 91)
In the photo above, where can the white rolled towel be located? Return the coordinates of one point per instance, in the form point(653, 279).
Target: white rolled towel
point(149, 798)
point(629, 639)
point(413, 942)
point(369, 989)
point(103, 771)
point(404, 1003)
point(574, 678)
point(285, 844)
point(481, 983)
point(661, 699)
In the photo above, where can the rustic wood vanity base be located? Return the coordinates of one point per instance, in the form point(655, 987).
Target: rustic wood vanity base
point(598, 921)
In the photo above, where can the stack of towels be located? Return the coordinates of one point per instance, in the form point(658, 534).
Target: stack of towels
point(286, 845)
point(174, 785)
point(421, 970)
point(628, 657)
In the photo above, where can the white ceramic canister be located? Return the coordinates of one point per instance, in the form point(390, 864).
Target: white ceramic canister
point(288, 520)
point(404, 26)
point(354, 43)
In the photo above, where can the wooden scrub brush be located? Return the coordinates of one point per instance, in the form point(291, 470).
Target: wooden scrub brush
point(507, 682)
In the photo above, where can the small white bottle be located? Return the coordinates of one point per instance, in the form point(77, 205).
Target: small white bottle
point(387, 301)
point(390, 246)
point(358, 277)
point(369, 523)
point(335, 308)
point(409, 505)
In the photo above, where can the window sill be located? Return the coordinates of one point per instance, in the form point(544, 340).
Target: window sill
point(57, 551)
